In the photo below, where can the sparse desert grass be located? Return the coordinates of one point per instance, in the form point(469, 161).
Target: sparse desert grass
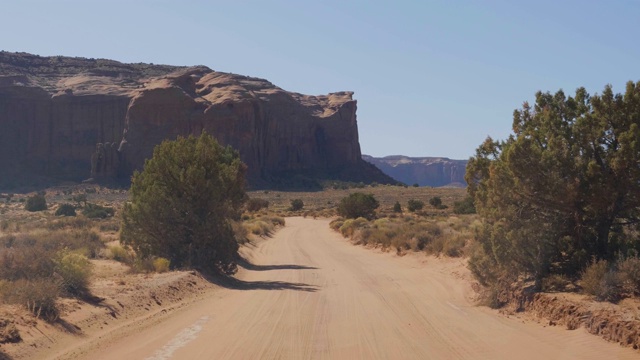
point(323, 203)
point(411, 232)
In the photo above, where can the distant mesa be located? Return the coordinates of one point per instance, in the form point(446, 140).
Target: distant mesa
point(73, 118)
point(424, 171)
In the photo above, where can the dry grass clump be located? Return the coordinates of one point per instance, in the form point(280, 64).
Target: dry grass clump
point(120, 254)
point(262, 225)
point(612, 281)
point(51, 260)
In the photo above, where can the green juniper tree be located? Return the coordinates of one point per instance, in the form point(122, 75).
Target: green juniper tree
point(563, 189)
point(183, 202)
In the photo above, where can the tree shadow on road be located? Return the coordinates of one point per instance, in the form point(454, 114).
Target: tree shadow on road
point(253, 267)
point(233, 283)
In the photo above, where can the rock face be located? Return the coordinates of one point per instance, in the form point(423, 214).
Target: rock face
point(424, 171)
point(71, 118)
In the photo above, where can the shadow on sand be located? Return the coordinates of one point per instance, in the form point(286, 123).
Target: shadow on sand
point(233, 283)
point(249, 266)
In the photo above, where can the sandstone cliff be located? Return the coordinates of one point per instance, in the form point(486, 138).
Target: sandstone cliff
point(424, 171)
point(72, 118)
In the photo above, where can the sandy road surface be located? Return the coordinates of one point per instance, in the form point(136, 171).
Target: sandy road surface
point(311, 295)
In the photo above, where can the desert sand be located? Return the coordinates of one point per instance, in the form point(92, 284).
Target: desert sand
point(307, 293)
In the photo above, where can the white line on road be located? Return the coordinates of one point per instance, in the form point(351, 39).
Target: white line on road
point(179, 340)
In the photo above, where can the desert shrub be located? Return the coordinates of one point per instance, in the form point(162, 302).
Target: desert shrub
point(37, 295)
point(453, 245)
point(465, 206)
point(161, 265)
point(35, 203)
point(397, 208)
point(8, 331)
point(260, 227)
point(350, 225)
point(75, 270)
point(142, 265)
point(296, 204)
point(414, 205)
point(256, 204)
point(95, 211)
point(25, 262)
point(66, 210)
point(4, 225)
point(629, 275)
point(336, 224)
point(601, 281)
point(416, 185)
point(358, 205)
point(276, 220)
point(436, 202)
point(120, 254)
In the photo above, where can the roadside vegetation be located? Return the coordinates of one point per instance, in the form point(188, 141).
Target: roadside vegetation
point(560, 198)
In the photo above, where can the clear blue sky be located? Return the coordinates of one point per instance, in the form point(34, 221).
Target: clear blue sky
point(432, 78)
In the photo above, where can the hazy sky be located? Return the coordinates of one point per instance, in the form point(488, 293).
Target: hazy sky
point(432, 78)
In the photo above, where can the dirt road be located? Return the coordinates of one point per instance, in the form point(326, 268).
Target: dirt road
point(311, 295)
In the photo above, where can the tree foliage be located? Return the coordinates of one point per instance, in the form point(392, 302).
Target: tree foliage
point(563, 189)
point(183, 202)
point(358, 205)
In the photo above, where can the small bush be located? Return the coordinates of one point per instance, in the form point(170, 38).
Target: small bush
point(349, 227)
point(414, 205)
point(35, 203)
point(436, 202)
point(336, 224)
point(358, 205)
point(296, 204)
point(161, 265)
point(118, 253)
point(629, 272)
point(38, 296)
point(75, 270)
point(95, 211)
point(599, 280)
point(397, 208)
point(66, 210)
point(465, 206)
point(453, 246)
point(255, 204)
